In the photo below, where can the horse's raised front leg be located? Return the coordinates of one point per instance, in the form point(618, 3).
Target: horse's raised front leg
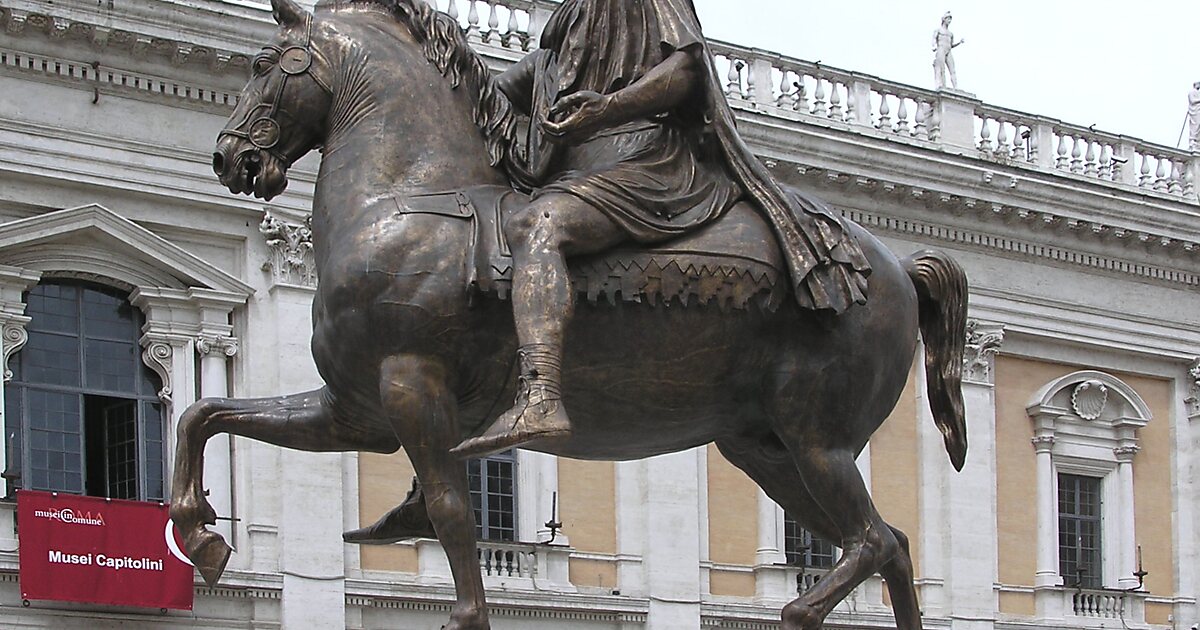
point(301, 421)
point(423, 411)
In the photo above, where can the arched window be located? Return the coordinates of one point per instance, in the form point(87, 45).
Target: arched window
point(81, 412)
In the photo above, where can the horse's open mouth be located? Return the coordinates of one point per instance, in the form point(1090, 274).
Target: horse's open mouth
point(256, 173)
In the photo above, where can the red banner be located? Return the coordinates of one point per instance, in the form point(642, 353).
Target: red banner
point(101, 551)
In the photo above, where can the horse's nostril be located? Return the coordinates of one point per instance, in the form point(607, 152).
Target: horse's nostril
point(219, 163)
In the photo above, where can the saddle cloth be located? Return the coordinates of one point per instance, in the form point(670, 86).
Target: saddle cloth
point(734, 262)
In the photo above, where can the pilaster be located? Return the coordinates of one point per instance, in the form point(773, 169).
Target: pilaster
point(671, 557)
point(13, 283)
point(972, 560)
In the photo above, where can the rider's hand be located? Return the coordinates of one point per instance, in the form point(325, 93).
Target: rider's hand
point(577, 115)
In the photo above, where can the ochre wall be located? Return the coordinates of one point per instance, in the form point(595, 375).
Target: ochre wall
point(895, 469)
point(383, 482)
point(732, 513)
point(587, 498)
point(731, 583)
point(1016, 382)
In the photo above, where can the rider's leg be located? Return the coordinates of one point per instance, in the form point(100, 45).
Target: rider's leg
point(542, 236)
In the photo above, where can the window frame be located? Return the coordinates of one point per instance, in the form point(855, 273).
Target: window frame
point(18, 389)
point(486, 514)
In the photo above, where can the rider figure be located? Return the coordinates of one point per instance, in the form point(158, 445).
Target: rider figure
point(631, 139)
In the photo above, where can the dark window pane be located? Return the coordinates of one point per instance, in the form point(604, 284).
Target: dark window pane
point(111, 365)
point(51, 469)
point(492, 481)
point(1079, 534)
point(51, 359)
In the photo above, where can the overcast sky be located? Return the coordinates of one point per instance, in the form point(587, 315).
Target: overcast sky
point(1124, 66)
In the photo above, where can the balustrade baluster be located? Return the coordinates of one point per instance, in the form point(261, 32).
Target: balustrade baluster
point(801, 94)
point(493, 32)
point(819, 103)
point(835, 101)
point(734, 85)
point(920, 130)
point(1034, 145)
point(1002, 149)
point(1077, 154)
point(1163, 172)
point(786, 99)
point(935, 122)
point(1189, 182)
point(885, 112)
point(1064, 160)
point(472, 19)
point(1091, 166)
point(1146, 180)
point(902, 116)
point(1106, 163)
point(985, 136)
point(514, 29)
point(1018, 143)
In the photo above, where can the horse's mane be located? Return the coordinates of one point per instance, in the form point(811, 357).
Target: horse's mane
point(445, 46)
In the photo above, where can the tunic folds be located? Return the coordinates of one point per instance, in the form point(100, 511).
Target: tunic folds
point(663, 176)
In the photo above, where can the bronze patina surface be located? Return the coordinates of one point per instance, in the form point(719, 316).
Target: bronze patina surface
point(749, 326)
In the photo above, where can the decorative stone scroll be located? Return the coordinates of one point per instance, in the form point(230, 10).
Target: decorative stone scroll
point(291, 251)
point(1193, 397)
point(983, 342)
point(159, 356)
point(219, 344)
point(15, 337)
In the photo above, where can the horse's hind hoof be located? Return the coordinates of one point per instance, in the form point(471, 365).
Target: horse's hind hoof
point(210, 555)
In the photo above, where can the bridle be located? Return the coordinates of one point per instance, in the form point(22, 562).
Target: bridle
point(294, 61)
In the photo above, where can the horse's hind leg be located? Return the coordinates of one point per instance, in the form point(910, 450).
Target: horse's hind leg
point(300, 421)
point(423, 412)
point(770, 466)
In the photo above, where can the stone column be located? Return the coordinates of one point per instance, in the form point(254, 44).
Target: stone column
point(934, 471)
point(632, 515)
point(215, 350)
point(671, 555)
point(1047, 513)
point(1127, 563)
point(972, 558)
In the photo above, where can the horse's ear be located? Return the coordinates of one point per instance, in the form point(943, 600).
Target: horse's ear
point(287, 12)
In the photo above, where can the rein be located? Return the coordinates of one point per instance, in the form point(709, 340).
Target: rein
point(294, 61)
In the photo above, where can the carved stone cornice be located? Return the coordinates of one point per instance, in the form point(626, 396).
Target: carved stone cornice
point(20, 22)
point(216, 344)
point(290, 248)
point(983, 342)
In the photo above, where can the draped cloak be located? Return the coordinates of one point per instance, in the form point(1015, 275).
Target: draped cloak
point(659, 177)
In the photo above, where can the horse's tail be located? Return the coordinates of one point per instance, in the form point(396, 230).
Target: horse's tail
point(941, 287)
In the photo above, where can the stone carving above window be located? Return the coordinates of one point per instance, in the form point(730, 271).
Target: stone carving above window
point(983, 342)
point(1089, 398)
point(291, 251)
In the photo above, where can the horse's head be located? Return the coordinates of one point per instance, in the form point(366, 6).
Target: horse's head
point(282, 111)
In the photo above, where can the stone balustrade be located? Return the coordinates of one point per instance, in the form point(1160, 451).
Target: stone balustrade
point(776, 85)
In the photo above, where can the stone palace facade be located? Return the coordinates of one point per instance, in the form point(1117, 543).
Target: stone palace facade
point(1077, 507)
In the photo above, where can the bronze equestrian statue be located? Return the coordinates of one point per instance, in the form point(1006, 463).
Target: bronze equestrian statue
point(720, 334)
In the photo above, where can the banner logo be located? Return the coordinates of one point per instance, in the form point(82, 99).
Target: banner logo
point(67, 515)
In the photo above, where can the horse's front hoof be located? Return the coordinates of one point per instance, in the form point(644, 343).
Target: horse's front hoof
point(209, 552)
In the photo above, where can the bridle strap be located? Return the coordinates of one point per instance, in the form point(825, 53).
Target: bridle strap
point(264, 131)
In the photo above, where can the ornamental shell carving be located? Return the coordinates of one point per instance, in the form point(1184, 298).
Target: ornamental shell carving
point(1089, 399)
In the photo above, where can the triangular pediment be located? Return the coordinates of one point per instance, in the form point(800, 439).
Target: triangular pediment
point(92, 240)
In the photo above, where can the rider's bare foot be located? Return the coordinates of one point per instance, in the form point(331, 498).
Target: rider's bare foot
point(406, 521)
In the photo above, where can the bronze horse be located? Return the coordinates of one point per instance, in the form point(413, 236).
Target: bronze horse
point(401, 106)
